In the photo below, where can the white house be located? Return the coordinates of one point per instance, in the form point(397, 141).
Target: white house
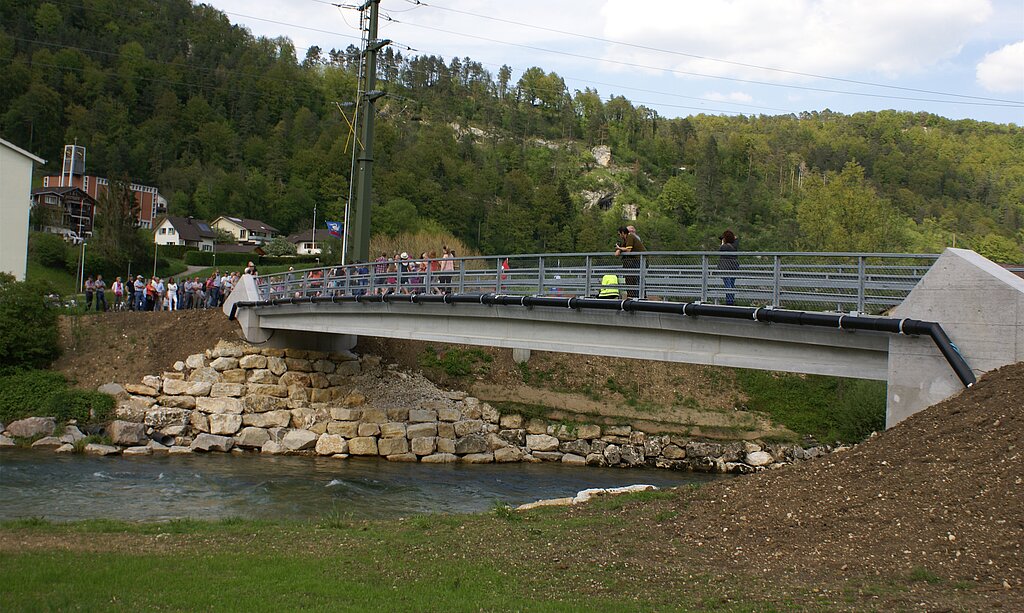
point(187, 231)
point(246, 231)
point(15, 188)
point(304, 243)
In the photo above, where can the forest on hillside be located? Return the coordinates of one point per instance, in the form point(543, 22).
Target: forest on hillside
point(173, 95)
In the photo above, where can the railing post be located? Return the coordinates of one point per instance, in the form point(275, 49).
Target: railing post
point(462, 276)
point(429, 278)
point(861, 283)
point(704, 277)
point(540, 276)
point(641, 291)
point(589, 266)
point(777, 281)
point(497, 276)
point(348, 279)
point(372, 287)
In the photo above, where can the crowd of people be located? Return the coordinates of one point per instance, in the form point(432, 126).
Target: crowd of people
point(399, 274)
point(157, 294)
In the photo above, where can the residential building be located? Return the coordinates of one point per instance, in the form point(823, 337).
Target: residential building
point(15, 187)
point(188, 231)
point(306, 244)
point(67, 211)
point(150, 202)
point(246, 231)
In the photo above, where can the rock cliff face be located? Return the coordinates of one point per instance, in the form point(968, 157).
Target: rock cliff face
point(240, 398)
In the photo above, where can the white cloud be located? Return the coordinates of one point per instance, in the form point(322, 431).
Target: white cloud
point(730, 97)
point(1003, 70)
point(829, 37)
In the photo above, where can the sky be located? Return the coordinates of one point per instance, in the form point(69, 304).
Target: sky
point(962, 59)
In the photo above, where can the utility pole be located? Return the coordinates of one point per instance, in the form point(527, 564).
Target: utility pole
point(360, 245)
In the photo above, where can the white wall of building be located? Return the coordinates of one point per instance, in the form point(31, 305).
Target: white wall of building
point(15, 188)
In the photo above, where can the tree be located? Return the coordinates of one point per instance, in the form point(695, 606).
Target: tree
point(115, 237)
point(28, 327)
point(842, 212)
point(279, 246)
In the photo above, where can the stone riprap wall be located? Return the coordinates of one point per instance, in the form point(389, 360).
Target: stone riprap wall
point(244, 398)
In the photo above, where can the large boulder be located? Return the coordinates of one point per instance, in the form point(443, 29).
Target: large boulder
point(392, 446)
point(363, 445)
point(212, 442)
point(224, 423)
point(159, 417)
point(97, 449)
point(541, 442)
point(331, 444)
point(299, 440)
point(252, 437)
point(473, 443)
point(127, 433)
point(759, 458)
point(271, 419)
point(219, 405)
point(32, 426)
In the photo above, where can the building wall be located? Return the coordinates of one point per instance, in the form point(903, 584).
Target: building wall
point(146, 197)
point(15, 187)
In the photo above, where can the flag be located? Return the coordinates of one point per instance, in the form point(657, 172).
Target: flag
point(334, 228)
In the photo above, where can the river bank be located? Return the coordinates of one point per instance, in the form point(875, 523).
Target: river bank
point(239, 397)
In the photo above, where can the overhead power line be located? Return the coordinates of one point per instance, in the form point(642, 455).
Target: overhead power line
point(709, 76)
point(419, 3)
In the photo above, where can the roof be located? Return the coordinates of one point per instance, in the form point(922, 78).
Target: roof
point(18, 149)
point(229, 248)
point(306, 236)
point(189, 228)
point(252, 225)
point(62, 191)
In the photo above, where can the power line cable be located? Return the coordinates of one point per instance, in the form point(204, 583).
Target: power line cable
point(419, 3)
point(697, 74)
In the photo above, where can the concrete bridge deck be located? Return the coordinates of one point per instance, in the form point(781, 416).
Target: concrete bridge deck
point(980, 306)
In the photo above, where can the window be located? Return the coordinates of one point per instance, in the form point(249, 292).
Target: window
point(241, 234)
point(162, 231)
point(46, 181)
point(51, 199)
point(171, 231)
point(85, 183)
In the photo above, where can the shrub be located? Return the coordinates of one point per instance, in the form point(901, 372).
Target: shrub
point(827, 408)
point(28, 329)
point(45, 393)
point(50, 250)
point(83, 405)
point(26, 393)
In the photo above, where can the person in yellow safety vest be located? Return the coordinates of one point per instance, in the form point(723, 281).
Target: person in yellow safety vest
point(610, 287)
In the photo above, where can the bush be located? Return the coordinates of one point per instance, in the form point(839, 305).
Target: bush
point(829, 409)
point(28, 393)
point(83, 405)
point(45, 393)
point(50, 250)
point(28, 328)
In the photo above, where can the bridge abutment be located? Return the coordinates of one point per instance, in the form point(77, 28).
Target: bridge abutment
point(980, 306)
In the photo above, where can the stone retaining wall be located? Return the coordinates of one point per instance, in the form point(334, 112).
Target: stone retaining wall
point(275, 401)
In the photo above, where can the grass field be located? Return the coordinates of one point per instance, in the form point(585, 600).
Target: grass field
point(605, 556)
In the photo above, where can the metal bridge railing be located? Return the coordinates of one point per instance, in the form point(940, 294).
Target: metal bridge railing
point(859, 282)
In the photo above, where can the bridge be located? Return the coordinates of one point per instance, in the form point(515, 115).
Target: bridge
point(925, 324)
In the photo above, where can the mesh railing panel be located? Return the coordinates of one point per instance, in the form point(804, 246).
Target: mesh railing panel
point(868, 283)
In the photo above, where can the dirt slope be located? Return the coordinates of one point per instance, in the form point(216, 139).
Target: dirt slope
point(934, 503)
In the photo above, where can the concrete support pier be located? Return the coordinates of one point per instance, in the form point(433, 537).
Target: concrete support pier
point(980, 305)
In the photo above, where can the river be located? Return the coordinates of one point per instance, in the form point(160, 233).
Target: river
point(214, 486)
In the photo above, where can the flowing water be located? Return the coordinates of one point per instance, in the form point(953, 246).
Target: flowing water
point(153, 488)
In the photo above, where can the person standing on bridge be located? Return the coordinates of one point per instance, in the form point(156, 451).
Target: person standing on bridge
point(628, 245)
point(729, 262)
